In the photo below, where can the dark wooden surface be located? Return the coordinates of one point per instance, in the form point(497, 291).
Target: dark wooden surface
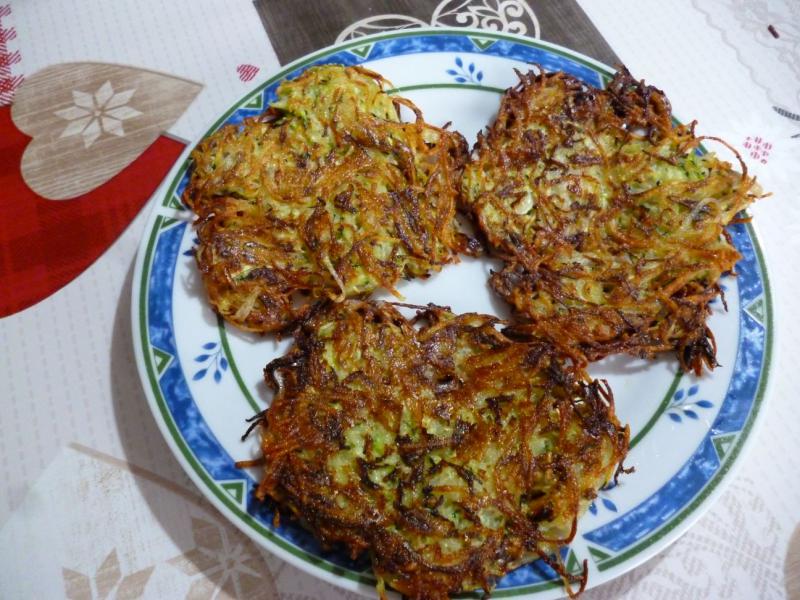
point(298, 27)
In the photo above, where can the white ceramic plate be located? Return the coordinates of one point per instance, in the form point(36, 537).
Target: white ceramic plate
point(203, 378)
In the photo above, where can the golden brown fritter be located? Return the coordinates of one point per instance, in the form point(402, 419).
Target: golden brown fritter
point(326, 195)
point(446, 451)
point(610, 224)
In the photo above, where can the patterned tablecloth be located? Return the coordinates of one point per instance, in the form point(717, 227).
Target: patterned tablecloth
point(94, 504)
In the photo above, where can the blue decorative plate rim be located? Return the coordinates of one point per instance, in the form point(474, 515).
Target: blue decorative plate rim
point(614, 547)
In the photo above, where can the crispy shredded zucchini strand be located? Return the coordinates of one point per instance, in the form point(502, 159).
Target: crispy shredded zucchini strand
point(326, 195)
point(448, 452)
point(610, 223)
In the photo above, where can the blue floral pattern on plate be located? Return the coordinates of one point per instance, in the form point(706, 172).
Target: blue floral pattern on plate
point(682, 404)
point(213, 357)
point(605, 501)
point(465, 74)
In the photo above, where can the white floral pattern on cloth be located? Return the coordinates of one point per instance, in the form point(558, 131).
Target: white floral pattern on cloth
point(749, 538)
point(156, 539)
point(229, 563)
point(101, 112)
point(510, 16)
point(107, 579)
point(773, 62)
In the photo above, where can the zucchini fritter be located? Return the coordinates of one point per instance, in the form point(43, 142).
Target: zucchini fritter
point(326, 195)
point(611, 225)
point(448, 452)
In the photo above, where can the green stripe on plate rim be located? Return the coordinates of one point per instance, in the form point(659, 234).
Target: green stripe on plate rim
point(659, 411)
point(223, 336)
point(174, 185)
point(462, 86)
point(605, 73)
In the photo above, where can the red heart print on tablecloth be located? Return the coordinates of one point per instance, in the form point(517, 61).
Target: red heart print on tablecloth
point(93, 157)
point(89, 121)
point(45, 244)
point(247, 72)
